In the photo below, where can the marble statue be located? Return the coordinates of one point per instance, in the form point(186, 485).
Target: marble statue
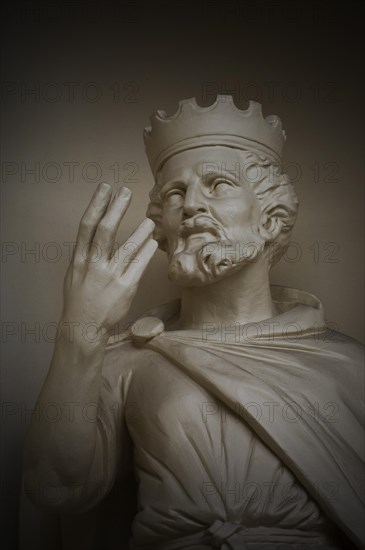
point(230, 418)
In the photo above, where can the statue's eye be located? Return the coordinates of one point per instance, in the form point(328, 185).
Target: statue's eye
point(174, 196)
point(174, 192)
point(219, 186)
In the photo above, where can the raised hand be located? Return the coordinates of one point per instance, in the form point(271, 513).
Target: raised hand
point(101, 282)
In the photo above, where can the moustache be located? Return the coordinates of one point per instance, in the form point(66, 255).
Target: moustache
point(200, 224)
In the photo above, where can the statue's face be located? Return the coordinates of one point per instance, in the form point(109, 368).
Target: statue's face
point(209, 215)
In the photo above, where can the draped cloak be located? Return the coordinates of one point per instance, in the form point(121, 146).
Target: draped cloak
point(217, 417)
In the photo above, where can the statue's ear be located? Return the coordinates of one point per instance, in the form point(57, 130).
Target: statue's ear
point(269, 227)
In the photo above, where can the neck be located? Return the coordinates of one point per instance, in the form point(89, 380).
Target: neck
point(243, 297)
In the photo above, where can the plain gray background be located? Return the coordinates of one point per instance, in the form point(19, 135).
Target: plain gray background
point(97, 73)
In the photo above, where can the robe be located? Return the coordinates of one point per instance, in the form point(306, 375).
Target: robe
point(249, 438)
point(244, 436)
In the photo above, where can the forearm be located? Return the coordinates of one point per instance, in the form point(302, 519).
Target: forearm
point(62, 437)
point(64, 445)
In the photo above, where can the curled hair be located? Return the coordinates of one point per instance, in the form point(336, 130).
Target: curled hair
point(275, 193)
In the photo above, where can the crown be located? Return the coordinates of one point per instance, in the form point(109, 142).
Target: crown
point(222, 123)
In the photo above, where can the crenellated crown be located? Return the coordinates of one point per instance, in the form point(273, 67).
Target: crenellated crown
point(222, 123)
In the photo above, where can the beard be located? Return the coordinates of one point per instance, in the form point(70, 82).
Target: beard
point(204, 253)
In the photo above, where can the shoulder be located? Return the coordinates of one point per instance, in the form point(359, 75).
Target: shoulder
point(340, 360)
point(342, 344)
point(122, 358)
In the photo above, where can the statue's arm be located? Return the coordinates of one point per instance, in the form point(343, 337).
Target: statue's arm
point(66, 457)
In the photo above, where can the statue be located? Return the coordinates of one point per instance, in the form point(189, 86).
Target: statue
point(228, 419)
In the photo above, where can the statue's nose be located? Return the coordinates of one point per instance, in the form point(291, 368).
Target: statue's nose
point(194, 202)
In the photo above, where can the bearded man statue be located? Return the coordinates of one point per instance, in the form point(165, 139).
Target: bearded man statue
point(230, 418)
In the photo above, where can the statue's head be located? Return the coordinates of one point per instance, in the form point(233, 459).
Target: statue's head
point(220, 199)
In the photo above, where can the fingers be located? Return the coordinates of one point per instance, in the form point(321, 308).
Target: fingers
point(91, 217)
point(127, 251)
point(136, 269)
point(108, 226)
